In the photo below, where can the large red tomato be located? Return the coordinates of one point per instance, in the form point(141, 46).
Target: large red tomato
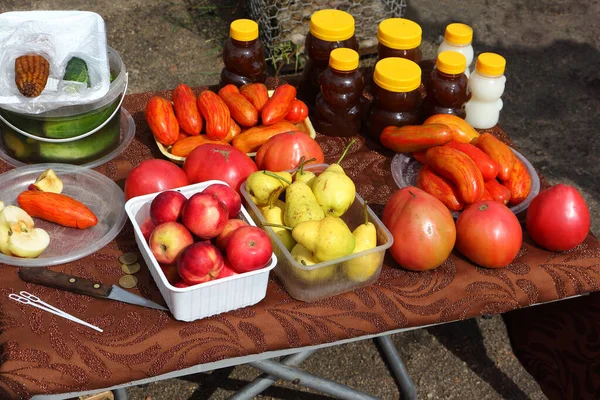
point(558, 218)
point(152, 176)
point(489, 234)
point(218, 161)
point(284, 151)
point(422, 227)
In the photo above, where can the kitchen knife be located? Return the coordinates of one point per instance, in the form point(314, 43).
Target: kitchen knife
point(57, 280)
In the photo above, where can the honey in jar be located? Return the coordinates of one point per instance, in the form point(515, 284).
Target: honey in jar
point(329, 29)
point(447, 90)
point(338, 105)
point(243, 55)
point(399, 37)
point(396, 95)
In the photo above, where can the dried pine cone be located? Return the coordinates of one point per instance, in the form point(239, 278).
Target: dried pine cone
point(31, 74)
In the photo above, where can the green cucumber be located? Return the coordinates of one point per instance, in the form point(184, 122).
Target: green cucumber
point(17, 145)
point(64, 128)
point(79, 151)
point(77, 71)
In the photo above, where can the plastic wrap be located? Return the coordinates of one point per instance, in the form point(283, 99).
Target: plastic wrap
point(58, 36)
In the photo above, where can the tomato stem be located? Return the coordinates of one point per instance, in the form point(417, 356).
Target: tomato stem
point(483, 207)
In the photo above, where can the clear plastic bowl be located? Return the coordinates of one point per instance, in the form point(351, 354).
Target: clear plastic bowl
point(405, 170)
point(98, 157)
point(315, 282)
point(100, 194)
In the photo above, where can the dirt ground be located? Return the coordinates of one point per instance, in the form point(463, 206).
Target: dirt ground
point(550, 110)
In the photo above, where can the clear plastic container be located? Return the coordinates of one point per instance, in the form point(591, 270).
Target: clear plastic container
point(209, 298)
point(100, 194)
point(405, 170)
point(72, 123)
point(314, 282)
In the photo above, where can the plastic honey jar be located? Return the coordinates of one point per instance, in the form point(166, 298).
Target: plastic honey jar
point(447, 90)
point(243, 55)
point(338, 105)
point(329, 29)
point(396, 95)
point(487, 86)
point(399, 37)
point(458, 37)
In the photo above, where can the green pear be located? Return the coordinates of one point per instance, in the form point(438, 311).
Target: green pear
point(327, 239)
point(263, 185)
point(300, 205)
point(333, 189)
point(303, 256)
point(274, 215)
point(360, 269)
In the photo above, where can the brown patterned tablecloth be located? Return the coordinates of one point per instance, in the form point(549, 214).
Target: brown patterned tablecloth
point(41, 353)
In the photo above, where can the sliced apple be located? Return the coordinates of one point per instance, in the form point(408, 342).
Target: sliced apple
point(12, 218)
point(27, 243)
point(48, 181)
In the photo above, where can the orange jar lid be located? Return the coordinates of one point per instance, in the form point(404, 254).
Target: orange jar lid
point(343, 59)
point(399, 33)
point(332, 25)
point(490, 64)
point(397, 74)
point(243, 30)
point(451, 62)
point(458, 33)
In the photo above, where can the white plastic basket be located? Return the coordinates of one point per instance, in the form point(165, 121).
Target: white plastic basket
point(206, 299)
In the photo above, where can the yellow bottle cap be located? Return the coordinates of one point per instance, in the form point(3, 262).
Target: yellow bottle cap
point(459, 33)
point(397, 74)
point(451, 62)
point(399, 33)
point(243, 30)
point(490, 64)
point(332, 25)
point(343, 59)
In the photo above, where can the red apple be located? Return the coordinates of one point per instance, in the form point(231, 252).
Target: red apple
point(167, 241)
point(249, 248)
point(170, 271)
point(227, 195)
point(181, 284)
point(204, 215)
point(166, 207)
point(230, 227)
point(227, 269)
point(147, 227)
point(200, 262)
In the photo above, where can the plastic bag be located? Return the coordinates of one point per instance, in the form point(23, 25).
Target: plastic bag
point(58, 36)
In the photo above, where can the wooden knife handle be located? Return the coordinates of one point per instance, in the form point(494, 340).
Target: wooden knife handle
point(46, 277)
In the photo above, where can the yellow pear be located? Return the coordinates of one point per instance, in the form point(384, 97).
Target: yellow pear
point(303, 256)
point(263, 185)
point(362, 268)
point(274, 215)
point(327, 239)
point(304, 176)
point(334, 190)
point(300, 205)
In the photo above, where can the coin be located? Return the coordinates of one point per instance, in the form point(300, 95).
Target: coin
point(128, 281)
point(130, 268)
point(128, 258)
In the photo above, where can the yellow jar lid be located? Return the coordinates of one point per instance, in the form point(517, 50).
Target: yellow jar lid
point(397, 74)
point(243, 30)
point(332, 25)
point(458, 33)
point(491, 64)
point(343, 59)
point(399, 33)
point(451, 62)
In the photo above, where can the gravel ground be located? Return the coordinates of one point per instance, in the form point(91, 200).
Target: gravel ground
point(551, 108)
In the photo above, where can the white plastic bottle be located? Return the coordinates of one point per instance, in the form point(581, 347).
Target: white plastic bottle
point(487, 86)
point(458, 37)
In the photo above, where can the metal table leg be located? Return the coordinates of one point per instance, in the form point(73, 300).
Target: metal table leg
point(305, 379)
point(405, 383)
point(264, 381)
point(120, 394)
